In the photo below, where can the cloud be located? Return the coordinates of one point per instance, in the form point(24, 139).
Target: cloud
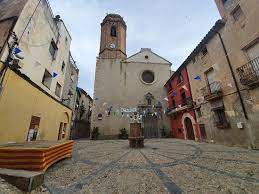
point(172, 28)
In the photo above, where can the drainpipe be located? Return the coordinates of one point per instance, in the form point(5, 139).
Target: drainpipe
point(233, 76)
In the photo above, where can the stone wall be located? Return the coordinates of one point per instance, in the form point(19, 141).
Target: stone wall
point(118, 84)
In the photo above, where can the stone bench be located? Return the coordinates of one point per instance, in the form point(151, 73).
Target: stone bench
point(34, 156)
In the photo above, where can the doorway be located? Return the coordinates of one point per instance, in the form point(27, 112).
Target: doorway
point(151, 126)
point(33, 129)
point(189, 129)
point(62, 131)
point(203, 132)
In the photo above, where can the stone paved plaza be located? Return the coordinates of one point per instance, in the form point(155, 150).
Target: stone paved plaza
point(163, 166)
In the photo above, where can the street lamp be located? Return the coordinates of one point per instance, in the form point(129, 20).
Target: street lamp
point(70, 95)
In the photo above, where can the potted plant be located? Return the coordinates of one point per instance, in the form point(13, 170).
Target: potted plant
point(123, 134)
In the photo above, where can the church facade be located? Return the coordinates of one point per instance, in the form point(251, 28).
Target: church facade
point(128, 89)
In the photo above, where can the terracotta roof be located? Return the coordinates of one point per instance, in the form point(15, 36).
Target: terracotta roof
point(213, 31)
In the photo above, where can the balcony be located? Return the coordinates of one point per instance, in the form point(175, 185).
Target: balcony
point(183, 105)
point(212, 91)
point(249, 73)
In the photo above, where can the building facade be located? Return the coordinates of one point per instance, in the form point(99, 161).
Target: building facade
point(45, 59)
point(82, 120)
point(180, 111)
point(29, 113)
point(127, 88)
point(223, 76)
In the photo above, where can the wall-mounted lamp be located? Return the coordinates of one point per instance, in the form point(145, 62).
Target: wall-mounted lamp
point(70, 95)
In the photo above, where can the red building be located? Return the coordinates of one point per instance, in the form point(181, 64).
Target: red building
point(180, 109)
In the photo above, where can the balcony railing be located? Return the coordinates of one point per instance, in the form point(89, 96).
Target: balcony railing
point(212, 91)
point(249, 73)
point(181, 105)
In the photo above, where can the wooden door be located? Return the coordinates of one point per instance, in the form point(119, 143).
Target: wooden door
point(189, 129)
point(151, 126)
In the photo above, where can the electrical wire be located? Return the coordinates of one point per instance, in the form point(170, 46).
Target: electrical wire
point(29, 20)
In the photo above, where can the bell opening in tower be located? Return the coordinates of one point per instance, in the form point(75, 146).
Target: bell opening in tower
point(113, 31)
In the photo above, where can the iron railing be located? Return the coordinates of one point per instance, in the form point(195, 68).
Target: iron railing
point(181, 103)
point(211, 89)
point(249, 73)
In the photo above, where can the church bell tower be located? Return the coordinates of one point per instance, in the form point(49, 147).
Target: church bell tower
point(113, 37)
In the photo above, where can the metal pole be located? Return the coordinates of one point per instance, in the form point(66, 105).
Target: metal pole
point(233, 75)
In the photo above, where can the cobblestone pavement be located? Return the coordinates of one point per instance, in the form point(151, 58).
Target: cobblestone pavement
point(163, 166)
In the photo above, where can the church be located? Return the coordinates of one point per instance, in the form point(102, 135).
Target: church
point(128, 89)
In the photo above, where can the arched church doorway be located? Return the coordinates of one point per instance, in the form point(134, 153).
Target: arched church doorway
point(151, 126)
point(189, 129)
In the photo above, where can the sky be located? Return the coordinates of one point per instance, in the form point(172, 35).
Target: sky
point(171, 28)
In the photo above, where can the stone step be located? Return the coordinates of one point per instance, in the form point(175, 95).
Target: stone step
point(23, 180)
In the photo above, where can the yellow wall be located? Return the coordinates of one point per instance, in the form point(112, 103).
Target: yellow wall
point(19, 101)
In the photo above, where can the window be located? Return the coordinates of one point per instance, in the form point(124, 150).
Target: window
point(183, 96)
point(180, 78)
point(146, 57)
point(63, 66)
point(149, 101)
point(47, 78)
point(220, 118)
point(58, 90)
point(148, 77)
point(113, 31)
point(53, 49)
point(198, 110)
point(204, 51)
point(237, 13)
